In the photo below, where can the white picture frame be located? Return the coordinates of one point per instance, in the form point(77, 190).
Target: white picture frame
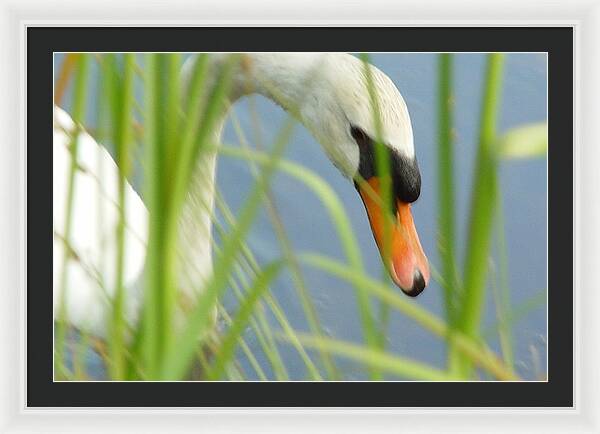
point(583, 15)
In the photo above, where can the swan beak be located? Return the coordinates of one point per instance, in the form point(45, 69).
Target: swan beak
point(406, 263)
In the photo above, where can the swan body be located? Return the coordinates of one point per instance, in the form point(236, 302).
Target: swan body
point(91, 269)
point(328, 94)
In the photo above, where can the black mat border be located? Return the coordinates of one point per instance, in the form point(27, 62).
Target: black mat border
point(43, 392)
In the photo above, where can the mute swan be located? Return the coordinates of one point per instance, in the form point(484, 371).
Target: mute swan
point(334, 105)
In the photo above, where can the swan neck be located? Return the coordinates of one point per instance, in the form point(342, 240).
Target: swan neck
point(195, 228)
point(280, 77)
point(277, 76)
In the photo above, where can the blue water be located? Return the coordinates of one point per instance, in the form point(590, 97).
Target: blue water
point(523, 186)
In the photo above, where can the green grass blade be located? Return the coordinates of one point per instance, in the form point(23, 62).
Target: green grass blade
point(199, 118)
point(260, 325)
point(249, 263)
point(153, 197)
point(229, 342)
point(123, 139)
point(245, 348)
point(337, 215)
point(258, 322)
point(382, 361)
point(78, 116)
point(176, 363)
point(526, 141)
point(446, 198)
point(170, 91)
point(164, 197)
point(483, 202)
point(474, 351)
point(172, 111)
point(313, 372)
point(518, 313)
point(502, 293)
point(212, 113)
point(310, 311)
point(382, 164)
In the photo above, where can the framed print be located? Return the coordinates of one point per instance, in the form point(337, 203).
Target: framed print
point(159, 279)
point(291, 218)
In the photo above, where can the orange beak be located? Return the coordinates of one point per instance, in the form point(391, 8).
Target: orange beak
point(406, 262)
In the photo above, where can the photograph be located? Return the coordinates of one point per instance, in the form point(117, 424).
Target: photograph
point(300, 216)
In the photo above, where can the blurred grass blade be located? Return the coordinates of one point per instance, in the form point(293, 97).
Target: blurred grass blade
point(527, 141)
point(123, 138)
point(199, 133)
point(245, 348)
point(310, 311)
point(176, 363)
point(167, 160)
point(264, 334)
point(378, 359)
point(154, 199)
point(172, 115)
point(483, 202)
point(168, 117)
point(382, 161)
point(446, 196)
point(470, 349)
point(337, 215)
point(230, 340)
point(199, 107)
point(518, 313)
point(258, 322)
point(502, 290)
point(78, 116)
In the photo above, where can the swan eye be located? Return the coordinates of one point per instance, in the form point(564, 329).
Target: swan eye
point(361, 138)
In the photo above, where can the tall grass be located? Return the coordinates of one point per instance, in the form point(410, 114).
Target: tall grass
point(79, 100)
point(483, 202)
point(122, 93)
point(176, 338)
point(290, 257)
point(446, 199)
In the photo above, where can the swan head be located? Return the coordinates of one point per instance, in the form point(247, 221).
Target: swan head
point(329, 94)
point(338, 110)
